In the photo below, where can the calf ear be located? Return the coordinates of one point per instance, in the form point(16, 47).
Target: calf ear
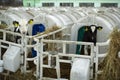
point(30, 21)
point(99, 28)
point(15, 23)
point(86, 28)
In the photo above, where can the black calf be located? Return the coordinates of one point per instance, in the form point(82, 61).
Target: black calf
point(90, 35)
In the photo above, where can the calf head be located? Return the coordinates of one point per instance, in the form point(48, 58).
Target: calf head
point(23, 24)
point(93, 28)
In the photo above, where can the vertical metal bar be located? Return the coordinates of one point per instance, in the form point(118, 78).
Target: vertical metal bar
point(26, 51)
point(64, 48)
point(92, 59)
point(92, 53)
point(25, 60)
point(49, 60)
point(38, 59)
point(96, 64)
point(23, 55)
point(57, 67)
point(41, 60)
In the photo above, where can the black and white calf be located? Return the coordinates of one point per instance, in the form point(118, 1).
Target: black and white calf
point(21, 27)
point(90, 35)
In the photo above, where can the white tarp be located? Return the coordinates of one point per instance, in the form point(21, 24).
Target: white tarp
point(80, 69)
point(11, 58)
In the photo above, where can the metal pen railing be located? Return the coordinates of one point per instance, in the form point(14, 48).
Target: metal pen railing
point(63, 53)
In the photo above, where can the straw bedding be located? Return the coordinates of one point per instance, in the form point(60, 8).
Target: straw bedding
point(2, 27)
point(58, 35)
point(111, 64)
point(51, 29)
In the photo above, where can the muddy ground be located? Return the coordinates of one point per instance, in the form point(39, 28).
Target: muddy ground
point(65, 73)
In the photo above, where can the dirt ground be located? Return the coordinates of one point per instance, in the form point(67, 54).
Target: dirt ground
point(64, 69)
point(65, 73)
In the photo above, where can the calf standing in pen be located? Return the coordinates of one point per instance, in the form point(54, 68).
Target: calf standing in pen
point(16, 29)
point(21, 27)
point(90, 35)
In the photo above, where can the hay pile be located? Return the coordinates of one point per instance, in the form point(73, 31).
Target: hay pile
point(58, 35)
point(111, 64)
point(51, 29)
point(17, 76)
point(2, 27)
